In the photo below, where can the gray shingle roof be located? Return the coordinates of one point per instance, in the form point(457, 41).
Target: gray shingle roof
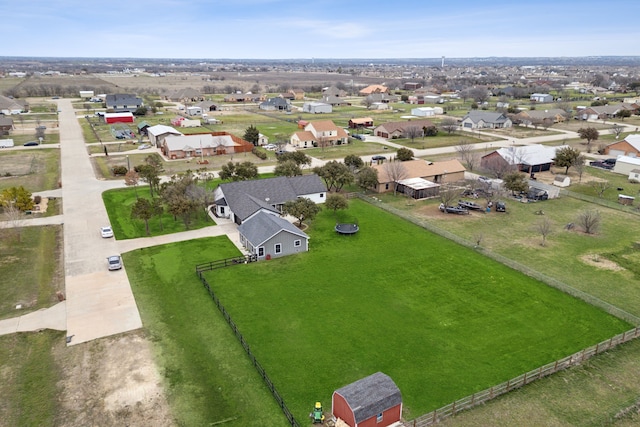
point(371, 395)
point(263, 226)
point(244, 198)
point(487, 116)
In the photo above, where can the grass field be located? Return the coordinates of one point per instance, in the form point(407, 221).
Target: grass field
point(31, 263)
point(29, 376)
point(403, 301)
point(119, 202)
point(35, 170)
point(209, 379)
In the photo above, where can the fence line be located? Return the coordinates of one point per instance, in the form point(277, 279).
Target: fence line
point(213, 265)
point(483, 396)
point(600, 201)
point(609, 308)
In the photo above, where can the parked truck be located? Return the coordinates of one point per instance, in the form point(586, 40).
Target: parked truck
point(6, 143)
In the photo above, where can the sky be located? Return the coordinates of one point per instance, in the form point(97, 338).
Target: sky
point(284, 29)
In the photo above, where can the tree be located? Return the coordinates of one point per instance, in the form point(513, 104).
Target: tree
point(479, 94)
point(298, 157)
point(543, 227)
point(449, 125)
point(335, 175)
point(14, 217)
point(140, 111)
point(336, 201)
point(395, 172)
point(600, 187)
point(179, 197)
point(589, 220)
point(238, 171)
point(251, 135)
point(580, 166)
point(142, 209)
point(566, 157)
point(150, 172)
point(617, 129)
point(448, 194)
point(429, 131)
point(287, 168)
point(17, 197)
point(354, 162)
point(413, 132)
point(467, 154)
point(403, 154)
point(367, 102)
point(590, 134)
point(516, 182)
point(301, 209)
point(131, 179)
point(367, 177)
point(622, 114)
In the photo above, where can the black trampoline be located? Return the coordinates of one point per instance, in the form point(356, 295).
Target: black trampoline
point(347, 228)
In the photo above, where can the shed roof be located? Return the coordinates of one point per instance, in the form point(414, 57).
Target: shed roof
point(162, 129)
point(534, 154)
point(370, 396)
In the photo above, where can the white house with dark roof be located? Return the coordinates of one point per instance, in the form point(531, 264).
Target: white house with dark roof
point(485, 120)
point(267, 236)
point(241, 200)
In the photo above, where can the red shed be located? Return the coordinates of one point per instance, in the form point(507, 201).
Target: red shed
point(374, 401)
point(118, 117)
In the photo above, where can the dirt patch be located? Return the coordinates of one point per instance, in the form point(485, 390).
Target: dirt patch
point(598, 261)
point(112, 381)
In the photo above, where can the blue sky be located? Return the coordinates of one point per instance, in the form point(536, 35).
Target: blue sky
point(283, 29)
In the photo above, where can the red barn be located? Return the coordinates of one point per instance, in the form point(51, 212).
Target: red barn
point(374, 401)
point(118, 117)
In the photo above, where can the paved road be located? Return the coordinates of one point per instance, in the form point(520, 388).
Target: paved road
point(99, 302)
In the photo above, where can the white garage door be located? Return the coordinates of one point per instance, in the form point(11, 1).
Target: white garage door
point(616, 153)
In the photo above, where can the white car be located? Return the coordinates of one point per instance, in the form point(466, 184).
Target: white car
point(143, 146)
point(106, 232)
point(114, 262)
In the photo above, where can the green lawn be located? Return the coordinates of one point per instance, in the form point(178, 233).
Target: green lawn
point(208, 377)
point(403, 301)
point(119, 202)
point(29, 376)
point(35, 170)
point(30, 264)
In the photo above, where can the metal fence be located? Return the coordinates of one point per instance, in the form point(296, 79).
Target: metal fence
point(601, 201)
point(519, 381)
point(213, 265)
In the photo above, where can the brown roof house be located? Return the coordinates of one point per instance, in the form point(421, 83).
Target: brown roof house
point(397, 129)
point(203, 145)
point(359, 122)
point(630, 146)
point(374, 89)
point(320, 132)
point(418, 178)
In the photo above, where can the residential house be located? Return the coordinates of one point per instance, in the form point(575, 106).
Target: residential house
point(241, 200)
point(335, 101)
point(601, 112)
point(334, 91)
point(485, 120)
point(298, 94)
point(374, 89)
point(207, 106)
point(185, 96)
point(422, 176)
point(6, 124)
point(123, 102)
point(553, 115)
point(9, 106)
point(397, 129)
point(528, 158)
point(360, 122)
point(541, 97)
point(427, 98)
point(288, 96)
point(158, 133)
point(275, 104)
point(630, 146)
point(244, 97)
point(374, 401)
point(203, 145)
point(267, 236)
point(321, 132)
point(381, 97)
point(316, 107)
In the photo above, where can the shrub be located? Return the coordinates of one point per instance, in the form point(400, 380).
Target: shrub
point(259, 153)
point(37, 199)
point(119, 170)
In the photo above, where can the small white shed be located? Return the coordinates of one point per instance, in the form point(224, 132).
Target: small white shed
point(194, 111)
point(561, 181)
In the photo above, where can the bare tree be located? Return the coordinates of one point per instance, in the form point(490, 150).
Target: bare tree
point(543, 227)
point(589, 220)
point(396, 172)
point(477, 239)
point(600, 187)
point(413, 132)
point(15, 218)
point(448, 194)
point(467, 154)
point(617, 130)
point(367, 102)
point(580, 165)
point(449, 125)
